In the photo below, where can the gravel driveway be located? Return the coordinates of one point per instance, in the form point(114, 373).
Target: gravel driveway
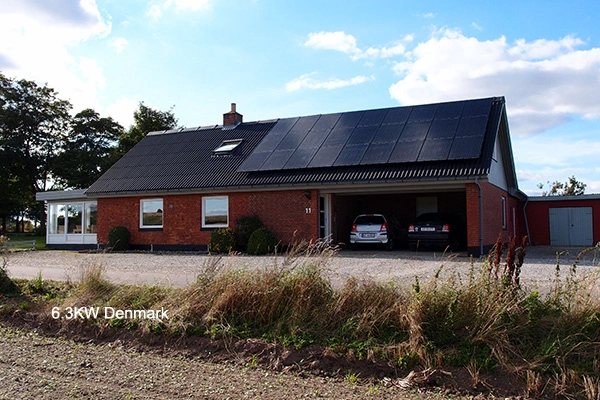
point(177, 269)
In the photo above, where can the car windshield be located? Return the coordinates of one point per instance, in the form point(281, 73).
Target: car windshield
point(432, 218)
point(369, 220)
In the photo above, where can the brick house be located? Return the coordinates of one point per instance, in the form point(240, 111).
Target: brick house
point(306, 177)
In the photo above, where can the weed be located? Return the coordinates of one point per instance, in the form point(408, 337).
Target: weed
point(352, 377)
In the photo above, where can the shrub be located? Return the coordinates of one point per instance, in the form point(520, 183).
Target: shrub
point(222, 240)
point(262, 241)
point(245, 227)
point(7, 286)
point(118, 238)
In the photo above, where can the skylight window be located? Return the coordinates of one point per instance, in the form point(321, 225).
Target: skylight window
point(227, 146)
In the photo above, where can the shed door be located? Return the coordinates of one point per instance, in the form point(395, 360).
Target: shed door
point(571, 226)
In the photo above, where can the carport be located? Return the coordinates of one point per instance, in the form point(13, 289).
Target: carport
point(403, 203)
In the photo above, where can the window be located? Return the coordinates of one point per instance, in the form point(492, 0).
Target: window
point(227, 146)
point(91, 217)
point(151, 213)
point(56, 219)
point(504, 213)
point(215, 212)
point(72, 218)
point(74, 215)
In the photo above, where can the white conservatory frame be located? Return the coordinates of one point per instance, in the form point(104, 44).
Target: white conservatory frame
point(71, 217)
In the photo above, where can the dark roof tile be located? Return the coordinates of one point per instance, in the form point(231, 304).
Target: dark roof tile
point(435, 141)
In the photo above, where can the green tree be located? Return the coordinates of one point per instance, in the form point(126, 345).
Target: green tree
point(33, 126)
point(571, 188)
point(89, 150)
point(146, 119)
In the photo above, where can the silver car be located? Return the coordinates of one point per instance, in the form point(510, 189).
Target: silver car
point(371, 229)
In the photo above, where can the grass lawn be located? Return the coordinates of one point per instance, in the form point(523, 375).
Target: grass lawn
point(40, 241)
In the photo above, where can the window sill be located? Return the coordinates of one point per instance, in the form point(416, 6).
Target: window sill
point(142, 229)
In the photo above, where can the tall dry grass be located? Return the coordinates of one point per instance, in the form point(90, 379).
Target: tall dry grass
point(480, 321)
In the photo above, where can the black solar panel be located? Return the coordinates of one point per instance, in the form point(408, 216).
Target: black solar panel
point(466, 147)
point(377, 153)
point(432, 132)
point(326, 156)
point(277, 159)
point(406, 151)
point(327, 122)
point(349, 119)
point(281, 128)
point(388, 133)
point(478, 107)
point(292, 140)
point(443, 128)
point(362, 135)
point(449, 110)
point(254, 162)
point(300, 158)
point(351, 155)
point(435, 150)
point(471, 126)
point(422, 113)
point(415, 131)
point(397, 115)
point(339, 136)
point(373, 117)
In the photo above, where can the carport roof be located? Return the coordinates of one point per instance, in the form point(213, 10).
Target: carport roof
point(441, 141)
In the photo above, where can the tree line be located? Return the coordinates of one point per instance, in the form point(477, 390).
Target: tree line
point(43, 146)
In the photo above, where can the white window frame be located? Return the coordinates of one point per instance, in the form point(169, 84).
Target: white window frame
point(204, 209)
point(227, 146)
point(142, 226)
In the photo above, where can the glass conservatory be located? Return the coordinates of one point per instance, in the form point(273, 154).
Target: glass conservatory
point(72, 218)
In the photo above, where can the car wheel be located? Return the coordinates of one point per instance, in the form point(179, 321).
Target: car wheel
point(389, 246)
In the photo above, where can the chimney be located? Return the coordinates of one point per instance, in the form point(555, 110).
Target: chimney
point(232, 118)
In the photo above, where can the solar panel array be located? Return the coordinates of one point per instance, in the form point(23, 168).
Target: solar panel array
point(433, 132)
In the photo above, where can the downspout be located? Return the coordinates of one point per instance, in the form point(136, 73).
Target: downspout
point(480, 218)
point(526, 221)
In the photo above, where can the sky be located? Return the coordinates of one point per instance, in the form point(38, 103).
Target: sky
point(278, 59)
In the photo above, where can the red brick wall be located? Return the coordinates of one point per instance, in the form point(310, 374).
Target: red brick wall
point(289, 214)
point(492, 215)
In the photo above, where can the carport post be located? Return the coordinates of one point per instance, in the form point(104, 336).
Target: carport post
point(480, 218)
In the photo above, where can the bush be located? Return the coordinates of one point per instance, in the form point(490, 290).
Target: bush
point(245, 227)
point(118, 238)
point(262, 241)
point(222, 240)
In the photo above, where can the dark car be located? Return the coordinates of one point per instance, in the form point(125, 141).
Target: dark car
point(437, 229)
point(376, 229)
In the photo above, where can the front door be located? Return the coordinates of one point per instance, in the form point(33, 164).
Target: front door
point(325, 217)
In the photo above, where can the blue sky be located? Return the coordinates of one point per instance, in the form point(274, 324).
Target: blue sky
point(292, 58)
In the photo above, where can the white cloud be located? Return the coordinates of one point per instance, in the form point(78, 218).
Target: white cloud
point(545, 82)
point(338, 41)
point(306, 81)
point(122, 111)
point(345, 43)
point(119, 44)
point(156, 10)
point(38, 33)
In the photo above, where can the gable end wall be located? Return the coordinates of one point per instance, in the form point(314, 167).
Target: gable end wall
point(492, 216)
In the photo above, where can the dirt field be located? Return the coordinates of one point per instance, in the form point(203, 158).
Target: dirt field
point(39, 367)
